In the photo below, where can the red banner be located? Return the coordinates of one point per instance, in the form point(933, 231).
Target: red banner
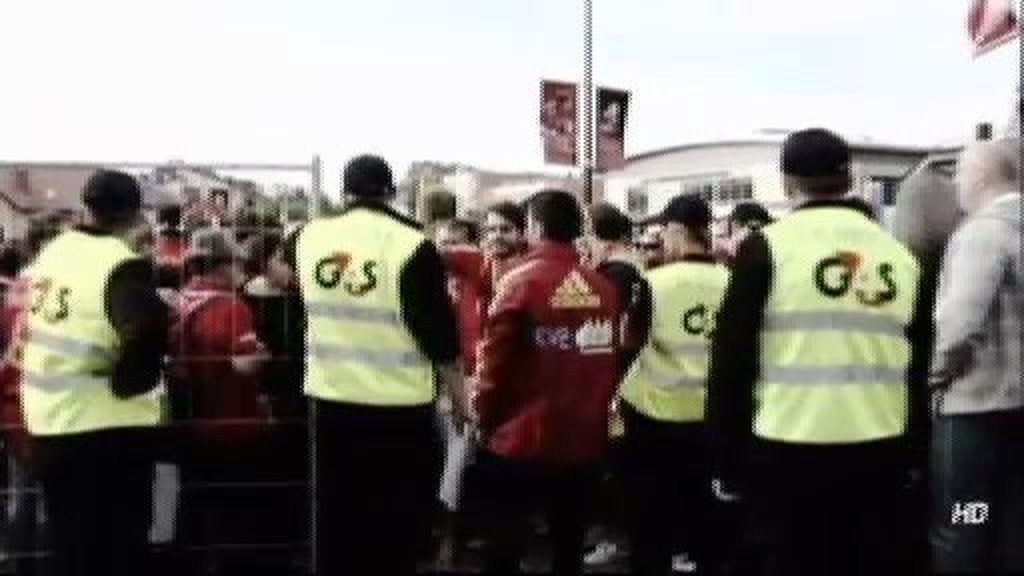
point(612, 108)
point(558, 122)
point(990, 24)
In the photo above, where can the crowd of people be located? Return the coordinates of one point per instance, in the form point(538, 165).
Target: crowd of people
point(807, 394)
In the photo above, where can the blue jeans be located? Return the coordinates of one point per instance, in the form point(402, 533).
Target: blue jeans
point(977, 464)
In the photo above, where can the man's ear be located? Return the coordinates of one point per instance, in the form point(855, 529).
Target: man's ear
point(789, 187)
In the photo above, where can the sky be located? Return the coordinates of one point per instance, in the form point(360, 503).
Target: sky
point(458, 80)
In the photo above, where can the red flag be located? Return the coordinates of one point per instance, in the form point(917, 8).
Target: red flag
point(612, 108)
point(558, 122)
point(990, 24)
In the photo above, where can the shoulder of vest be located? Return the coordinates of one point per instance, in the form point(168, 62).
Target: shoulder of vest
point(384, 212)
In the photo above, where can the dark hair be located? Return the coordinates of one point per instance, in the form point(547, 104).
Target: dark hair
point(259, 249)
point(170, 216)
point(863, 206)
point(10, 260)
point(368, 176)
point(610, 224)
point(558, 214)
point(512, 212)
point(750, 214)
point(112, 197)
point(468, 227)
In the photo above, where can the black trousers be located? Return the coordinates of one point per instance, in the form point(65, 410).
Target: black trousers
point(516, 491)
point(376, 483)
point(239, 514)
point(669, 487)
point(98, 489)
point(829, 509)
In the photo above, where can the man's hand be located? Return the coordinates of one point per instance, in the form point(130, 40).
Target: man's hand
point(454, 383)
point(724, 493)
point(252, 362)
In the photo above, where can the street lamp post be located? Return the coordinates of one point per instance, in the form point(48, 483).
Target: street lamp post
point(588, 102)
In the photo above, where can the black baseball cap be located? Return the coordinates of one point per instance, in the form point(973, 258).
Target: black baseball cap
point(690, 210)
point(110, 192)
point(610, 224)
point(815, 153)
point(368, 176)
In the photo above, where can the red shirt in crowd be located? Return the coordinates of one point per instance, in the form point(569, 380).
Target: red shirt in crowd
point(169, 254)
point(465, 285)
point(12, 419)
point(493, 271)
point(548, 360)
point(215, 326)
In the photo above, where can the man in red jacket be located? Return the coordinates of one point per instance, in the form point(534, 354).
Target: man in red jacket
point(547, 377)
point(465, 265)
point(225, 419)
point(503, 244)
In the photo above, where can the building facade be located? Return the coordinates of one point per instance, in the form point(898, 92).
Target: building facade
point(728, 172)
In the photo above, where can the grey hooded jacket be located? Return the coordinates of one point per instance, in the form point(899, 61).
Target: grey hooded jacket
point(978, 314)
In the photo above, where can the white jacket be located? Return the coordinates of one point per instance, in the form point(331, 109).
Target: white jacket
point(979, 313)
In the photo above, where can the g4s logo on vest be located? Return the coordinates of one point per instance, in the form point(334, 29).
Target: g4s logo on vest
point(872, 285)
point(697, 321)
point(49, 301)
point(356, 280)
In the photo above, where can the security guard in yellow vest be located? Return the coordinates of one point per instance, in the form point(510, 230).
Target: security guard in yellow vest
point(818, 372)
point(663, 396)
point(90, 349)
point(380, 333)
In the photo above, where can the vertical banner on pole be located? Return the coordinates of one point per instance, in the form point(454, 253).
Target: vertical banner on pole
point(558, 122)
point(612, 112)
point(990, 24)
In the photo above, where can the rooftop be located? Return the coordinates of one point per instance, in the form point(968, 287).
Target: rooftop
point(775, 137)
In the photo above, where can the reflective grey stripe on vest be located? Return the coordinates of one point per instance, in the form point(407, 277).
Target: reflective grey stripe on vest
point(691, 350)
point(64, 382)
point(376, 358)
point(68, 346)
point(816, 320)
point(673, 380)
point(336, 311)
point(832, 375)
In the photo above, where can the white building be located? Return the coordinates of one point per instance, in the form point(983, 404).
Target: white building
point(476, 189)
point(198, 186)
point(29, 189)
point(731, 171)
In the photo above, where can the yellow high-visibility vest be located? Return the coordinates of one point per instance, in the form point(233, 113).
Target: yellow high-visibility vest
point(668, 381)
point(834, 350)
point(68, 346)
point(358, 349)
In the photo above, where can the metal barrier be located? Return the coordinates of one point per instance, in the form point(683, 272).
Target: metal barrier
point(209, 194)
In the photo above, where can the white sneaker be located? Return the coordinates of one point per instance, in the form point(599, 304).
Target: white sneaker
point(604, 553)
point(681, 564)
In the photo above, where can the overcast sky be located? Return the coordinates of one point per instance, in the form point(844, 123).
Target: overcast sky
point(457, 80)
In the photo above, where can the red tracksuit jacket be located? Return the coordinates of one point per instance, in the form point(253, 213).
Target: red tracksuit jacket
point(223, 407)
point(548, 360)
point(465, 287)
point(12, 419)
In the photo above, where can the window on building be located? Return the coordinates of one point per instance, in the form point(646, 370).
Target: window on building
point(636, 202)
point(219, 198)
point(21, 180)
point(736, 190)
point(888, 187)
point(707, 192)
